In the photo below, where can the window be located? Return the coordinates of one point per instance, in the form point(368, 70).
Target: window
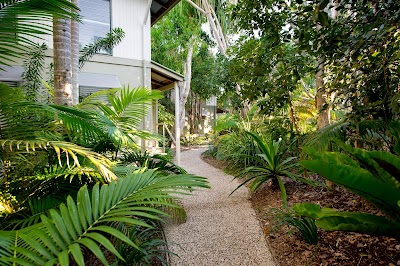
point(96, 21)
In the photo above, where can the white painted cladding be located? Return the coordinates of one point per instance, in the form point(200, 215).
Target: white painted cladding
point(130, 16)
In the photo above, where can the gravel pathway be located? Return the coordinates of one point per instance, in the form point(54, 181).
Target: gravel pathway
point(220, 229)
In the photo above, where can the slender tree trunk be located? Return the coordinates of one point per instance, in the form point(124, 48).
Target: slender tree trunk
point(185, 86)
point(75, 57)
point(62, 61)
point(320, 97)
point(205, 8)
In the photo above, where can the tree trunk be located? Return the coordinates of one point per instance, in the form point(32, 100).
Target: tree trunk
point(75, 57)
point(185, 86)
point(320, 97)
point(207, 10)
point(62, 61)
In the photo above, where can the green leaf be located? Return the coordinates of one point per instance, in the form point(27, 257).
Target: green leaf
point(77, 254)
point(114, 232)
point(94, 248)
point(59, 223)
point(73, 212)
point(329, 219)
point(55, 234)
point(360, 181)
point(37, 246)
point(63, 258)
point(105, 243)
point(95, 201)
point(67, 221)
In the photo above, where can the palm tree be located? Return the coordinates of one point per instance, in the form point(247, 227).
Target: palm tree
point(75, 57)
point(63, 88)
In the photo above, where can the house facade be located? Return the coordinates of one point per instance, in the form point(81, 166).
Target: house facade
point(129, 63)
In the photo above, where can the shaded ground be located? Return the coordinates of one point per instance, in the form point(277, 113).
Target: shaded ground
point(220, 229)
point(334, 248)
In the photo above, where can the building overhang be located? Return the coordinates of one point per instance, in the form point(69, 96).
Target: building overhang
point(163, 78)
point(159, 8)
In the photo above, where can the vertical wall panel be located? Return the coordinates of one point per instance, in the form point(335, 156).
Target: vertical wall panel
point(129, 15)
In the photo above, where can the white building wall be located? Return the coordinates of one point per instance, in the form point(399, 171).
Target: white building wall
point(47, 39)
point(130, 15)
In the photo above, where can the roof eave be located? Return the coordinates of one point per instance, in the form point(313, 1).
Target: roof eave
point(166, 8)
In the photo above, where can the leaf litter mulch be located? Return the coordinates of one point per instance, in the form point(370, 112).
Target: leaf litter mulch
point(334, 248)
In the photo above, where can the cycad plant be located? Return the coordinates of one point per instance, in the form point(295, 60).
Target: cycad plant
point(66, 232)
point(271, 164)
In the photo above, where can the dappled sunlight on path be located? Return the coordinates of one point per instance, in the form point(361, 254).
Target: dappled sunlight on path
point(220, 229)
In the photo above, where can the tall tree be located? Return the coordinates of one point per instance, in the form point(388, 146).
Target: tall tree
point(75, 57)
point(208, 9)
point(175, 40)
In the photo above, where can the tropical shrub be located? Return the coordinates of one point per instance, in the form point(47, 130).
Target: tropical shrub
point(270, 165)
point(48, 156)
point(373, 175)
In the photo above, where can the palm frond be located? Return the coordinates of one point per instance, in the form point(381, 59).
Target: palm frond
point(66, 232)
point(112, 39)
point(69, 150)
point(33, 67)
point(21, 20)
point(121, 118)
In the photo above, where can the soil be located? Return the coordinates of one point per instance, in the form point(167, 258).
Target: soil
point(333, 248)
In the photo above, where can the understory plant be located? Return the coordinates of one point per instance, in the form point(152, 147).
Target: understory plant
point(373, 175)
point(156, 161)
point(270, 164)
point(305, 226)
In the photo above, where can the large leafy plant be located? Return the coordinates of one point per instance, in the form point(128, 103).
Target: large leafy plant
point(373, 175)
point(66, 232)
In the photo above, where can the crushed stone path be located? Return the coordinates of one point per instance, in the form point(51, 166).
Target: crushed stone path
point(220, 229)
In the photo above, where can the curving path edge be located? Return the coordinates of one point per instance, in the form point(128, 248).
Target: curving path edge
point(220, 229)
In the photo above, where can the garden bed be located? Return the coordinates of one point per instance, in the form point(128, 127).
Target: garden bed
point(334, 248)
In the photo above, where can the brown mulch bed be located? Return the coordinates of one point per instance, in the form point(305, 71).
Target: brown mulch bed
point(334, 248)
